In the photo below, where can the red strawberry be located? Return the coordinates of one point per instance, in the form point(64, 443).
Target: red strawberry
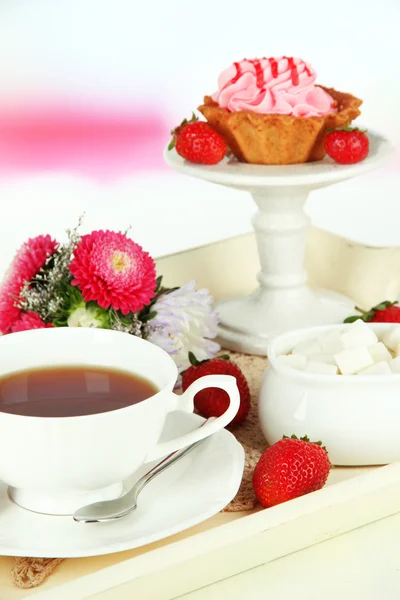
point(213, 402)
point(384, 312)
point(197, 142)
point(290, 468)
point(347, 145)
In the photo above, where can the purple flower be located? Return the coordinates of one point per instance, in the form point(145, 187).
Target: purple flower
point(185, 322)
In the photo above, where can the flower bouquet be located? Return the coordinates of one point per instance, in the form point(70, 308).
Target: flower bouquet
point(104, 279)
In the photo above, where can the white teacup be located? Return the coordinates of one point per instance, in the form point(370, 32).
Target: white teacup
point(54, 465)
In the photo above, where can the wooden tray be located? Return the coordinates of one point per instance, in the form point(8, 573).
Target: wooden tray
point(229, 543)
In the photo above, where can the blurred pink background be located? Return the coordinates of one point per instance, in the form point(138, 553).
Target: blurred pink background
point(103, 143)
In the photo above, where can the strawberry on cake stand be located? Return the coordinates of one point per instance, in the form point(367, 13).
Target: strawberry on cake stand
point(275, 121)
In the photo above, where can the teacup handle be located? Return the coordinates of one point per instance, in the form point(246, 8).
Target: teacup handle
point(185, 403)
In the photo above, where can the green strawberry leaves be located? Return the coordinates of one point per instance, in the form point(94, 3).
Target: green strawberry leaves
point(176, 130)
point(347, 127)
point(195, 362)
point(304, 438)
point(368, 315)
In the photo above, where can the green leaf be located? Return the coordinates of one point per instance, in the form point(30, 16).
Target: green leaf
point(304, 438)
point(367, 316)
point(169, 290)
point(149, 316)
point(193, 360)
point(354, 318)
point(158, 283)
point(384, 305)
point(171, 144)
point(347, 127)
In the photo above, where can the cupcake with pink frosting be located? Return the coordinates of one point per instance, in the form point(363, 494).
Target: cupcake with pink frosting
point(271, 112)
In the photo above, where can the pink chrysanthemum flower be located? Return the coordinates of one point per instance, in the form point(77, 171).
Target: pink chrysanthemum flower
point(29, 320)
point(113, 270)
point(28, 261)
point(8, 312)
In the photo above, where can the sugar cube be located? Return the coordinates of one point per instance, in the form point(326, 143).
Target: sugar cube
point(295, 361)
point(322, 358)
point(379, 352)
point(391, 338)
point(394, 365)
point(323, 368)
point(330, 341)
point(352, 360)
point(358, 334)
point(379, 368)
point(307, 348)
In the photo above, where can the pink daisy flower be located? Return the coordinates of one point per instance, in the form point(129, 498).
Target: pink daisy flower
point(8, 312)
point(28, 261)
point(29, 320)
point(32, 256)
point(112, 270)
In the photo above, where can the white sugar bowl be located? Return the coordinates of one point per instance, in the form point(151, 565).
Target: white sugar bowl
point(356, 416)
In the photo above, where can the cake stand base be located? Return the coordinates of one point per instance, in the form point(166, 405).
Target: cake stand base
point(283, 301)
point(249, 324)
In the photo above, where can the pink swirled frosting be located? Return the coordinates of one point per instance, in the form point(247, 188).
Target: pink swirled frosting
point(283, 85)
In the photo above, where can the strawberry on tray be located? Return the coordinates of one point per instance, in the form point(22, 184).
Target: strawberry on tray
point(384, 312)
point(213, 402)
point(290, 468)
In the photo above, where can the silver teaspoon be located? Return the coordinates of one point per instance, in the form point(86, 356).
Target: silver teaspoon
point(109, 510)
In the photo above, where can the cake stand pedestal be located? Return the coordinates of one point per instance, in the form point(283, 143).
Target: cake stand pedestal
point(283, 300)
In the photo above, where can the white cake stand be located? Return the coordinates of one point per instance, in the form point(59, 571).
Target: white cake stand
point(283, 300)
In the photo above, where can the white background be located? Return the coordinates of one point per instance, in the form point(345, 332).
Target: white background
point(166, 55)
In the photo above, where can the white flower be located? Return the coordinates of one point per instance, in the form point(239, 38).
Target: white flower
point(85, 317)
point(185, 322)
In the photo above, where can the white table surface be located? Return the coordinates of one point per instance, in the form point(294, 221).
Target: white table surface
point(362, 564)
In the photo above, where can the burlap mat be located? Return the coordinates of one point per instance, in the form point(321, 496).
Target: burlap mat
point(249, 433)
point(31, 572)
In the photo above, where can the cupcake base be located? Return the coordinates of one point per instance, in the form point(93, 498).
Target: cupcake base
point(279, 139)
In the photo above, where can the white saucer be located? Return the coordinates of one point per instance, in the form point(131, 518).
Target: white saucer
point(193, 490)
